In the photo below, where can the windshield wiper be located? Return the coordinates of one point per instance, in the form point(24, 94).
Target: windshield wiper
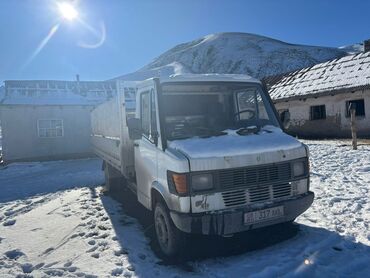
point(205, 132)
point(248, 130)
point(213, 133)
point(265, 130)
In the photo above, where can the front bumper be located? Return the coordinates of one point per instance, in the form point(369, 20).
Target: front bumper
point(227, 222)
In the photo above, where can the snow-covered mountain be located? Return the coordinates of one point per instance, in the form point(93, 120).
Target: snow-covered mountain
point(243, 53)
point(353, 48)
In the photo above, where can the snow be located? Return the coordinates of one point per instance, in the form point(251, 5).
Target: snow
point(214, 77)
point(68, 98)
point(51, 98)
point(51, 92)
point(80, 232)
point(353, 48)
point(22, 180)
point(240, 53)
point(162, 71)
point(349, 72)
point(267, 140)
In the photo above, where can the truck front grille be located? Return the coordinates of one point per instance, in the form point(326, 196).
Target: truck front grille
point(235, 198)
point(256, 175)
point(256, 194)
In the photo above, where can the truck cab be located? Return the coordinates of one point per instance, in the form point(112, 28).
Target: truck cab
point(210, 156)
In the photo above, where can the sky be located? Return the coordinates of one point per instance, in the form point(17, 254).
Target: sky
point(114, 37)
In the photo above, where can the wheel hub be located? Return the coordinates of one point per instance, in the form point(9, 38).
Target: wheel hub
point(162, 230)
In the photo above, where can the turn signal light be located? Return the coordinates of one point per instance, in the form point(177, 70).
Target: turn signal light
point(180, 183)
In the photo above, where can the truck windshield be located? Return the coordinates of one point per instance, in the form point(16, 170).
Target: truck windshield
point(206, 110)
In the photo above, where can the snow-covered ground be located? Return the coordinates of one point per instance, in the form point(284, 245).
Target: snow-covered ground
point(22, 180)
point(55, 221)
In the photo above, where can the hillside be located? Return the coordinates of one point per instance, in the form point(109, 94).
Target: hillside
point(244, 53)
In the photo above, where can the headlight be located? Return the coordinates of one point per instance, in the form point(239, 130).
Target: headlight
point(300, 187)
point(202, 182)
point(298, 169)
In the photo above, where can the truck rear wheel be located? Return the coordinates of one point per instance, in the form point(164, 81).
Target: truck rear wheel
point(113, 178)
point(170, 238)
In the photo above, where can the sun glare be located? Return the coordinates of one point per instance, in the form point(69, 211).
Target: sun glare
point(67, 10)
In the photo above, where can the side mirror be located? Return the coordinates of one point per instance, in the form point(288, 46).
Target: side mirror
point(134, 128)
point(285, 118)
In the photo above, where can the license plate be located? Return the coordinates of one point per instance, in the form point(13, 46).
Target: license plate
point(263, 215)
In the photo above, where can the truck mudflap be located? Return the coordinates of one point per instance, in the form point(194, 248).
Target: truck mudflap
point(228, 222)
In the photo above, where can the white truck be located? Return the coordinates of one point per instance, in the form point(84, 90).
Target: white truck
point(205, 153)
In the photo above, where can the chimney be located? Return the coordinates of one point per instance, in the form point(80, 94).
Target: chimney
point(367, 45)
point(78, 83)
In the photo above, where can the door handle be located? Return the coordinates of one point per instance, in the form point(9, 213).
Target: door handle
point(136, 144)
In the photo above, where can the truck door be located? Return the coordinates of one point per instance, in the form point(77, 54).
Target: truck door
point(146, 151)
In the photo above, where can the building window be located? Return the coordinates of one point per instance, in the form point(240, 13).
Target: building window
point(50, 128)
point(359, 105)
point(318, 112)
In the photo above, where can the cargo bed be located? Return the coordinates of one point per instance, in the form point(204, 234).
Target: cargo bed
point(109, 138)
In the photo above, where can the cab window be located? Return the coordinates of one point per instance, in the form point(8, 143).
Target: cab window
point(145, 113)
point(153, 114)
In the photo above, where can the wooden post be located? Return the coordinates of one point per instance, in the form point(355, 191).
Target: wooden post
point(352, 110)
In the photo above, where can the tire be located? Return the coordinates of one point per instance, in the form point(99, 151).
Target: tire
point(170, 239)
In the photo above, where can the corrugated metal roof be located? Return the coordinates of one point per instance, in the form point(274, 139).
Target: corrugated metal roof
point(349, 72)
point(57, 92)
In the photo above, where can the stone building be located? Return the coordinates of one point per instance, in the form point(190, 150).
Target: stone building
point(318, 97)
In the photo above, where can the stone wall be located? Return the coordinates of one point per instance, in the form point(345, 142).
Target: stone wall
point(336, 124)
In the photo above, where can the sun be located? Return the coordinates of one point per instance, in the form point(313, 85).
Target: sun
point(67, 11)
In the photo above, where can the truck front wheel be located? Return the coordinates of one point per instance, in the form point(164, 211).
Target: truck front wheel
point(170, 238)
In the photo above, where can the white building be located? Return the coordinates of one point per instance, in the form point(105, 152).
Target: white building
point(45, 119)
point(318, 97)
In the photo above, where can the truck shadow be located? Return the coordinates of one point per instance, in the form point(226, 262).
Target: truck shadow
point(293, 246)
point(23, 180)
point(203, 247)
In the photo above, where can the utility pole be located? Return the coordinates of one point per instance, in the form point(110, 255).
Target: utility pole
point(352, 109)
